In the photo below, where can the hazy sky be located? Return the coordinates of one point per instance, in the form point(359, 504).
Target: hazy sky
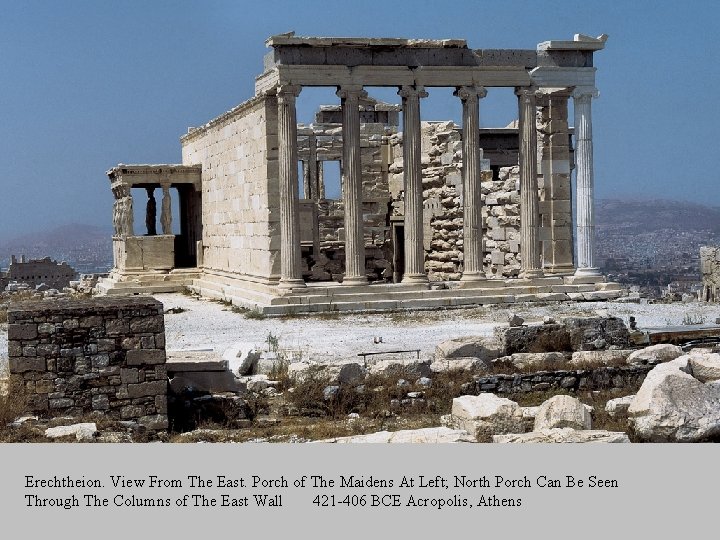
point(85, 85)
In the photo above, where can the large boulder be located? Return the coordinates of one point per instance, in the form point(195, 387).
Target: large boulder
point(562, 412)
point(672, 405)
point(663, 352)
point(485, 415)
point(481, 347)
point(564, 435)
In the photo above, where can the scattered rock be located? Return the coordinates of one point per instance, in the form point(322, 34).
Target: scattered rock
point(655, 353)
point(562, 412)
point(564, 435)
point(425, 382)
point(515, 320)
point(330, 392)
point(242, 357)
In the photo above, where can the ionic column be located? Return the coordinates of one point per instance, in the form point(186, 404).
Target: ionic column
point(290, 270)
point(412, 167)
point(472, 201)
point(585, 216)
point(530, 263)
point(352, 187)
point(166, 210)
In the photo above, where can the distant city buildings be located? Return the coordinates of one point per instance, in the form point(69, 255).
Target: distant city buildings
point(36, 272)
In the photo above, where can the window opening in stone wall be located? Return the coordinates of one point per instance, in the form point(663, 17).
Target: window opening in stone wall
point(332, 180)
point(301, 179)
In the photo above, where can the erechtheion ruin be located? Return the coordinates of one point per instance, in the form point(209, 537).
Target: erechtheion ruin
point(431, 214)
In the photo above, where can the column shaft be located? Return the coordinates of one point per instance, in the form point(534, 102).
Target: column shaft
point(471, 176)
point(585, 203)
point(352, 186)
point(530, 261)
point(290, 270)
point(412, 167)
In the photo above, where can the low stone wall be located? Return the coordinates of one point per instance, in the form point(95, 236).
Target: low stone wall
point(103, 356)
point(572, 380)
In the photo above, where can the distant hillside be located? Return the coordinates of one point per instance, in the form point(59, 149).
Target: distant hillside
point(613, 215)
point(64, 237)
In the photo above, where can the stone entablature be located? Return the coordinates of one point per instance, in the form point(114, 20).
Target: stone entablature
point(103, 356)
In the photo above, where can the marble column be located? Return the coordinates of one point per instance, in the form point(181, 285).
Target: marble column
point(412, 166)
point(290, 270)
point(585, 203)
point(166, 210)
point(352, 185)
point(530, 263)
point(472, 201)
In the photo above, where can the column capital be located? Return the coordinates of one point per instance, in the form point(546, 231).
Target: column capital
point(467, 92)
point(407, 91)
point(585, 92)
point(351, 90)
point(287, 90)
point(528, 92)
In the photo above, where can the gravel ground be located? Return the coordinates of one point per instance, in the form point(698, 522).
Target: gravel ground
point(212, 325)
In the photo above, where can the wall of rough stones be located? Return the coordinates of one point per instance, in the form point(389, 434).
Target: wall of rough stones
point(103, 356)
point(240, 189)
point(602, 378)
point(443, 199)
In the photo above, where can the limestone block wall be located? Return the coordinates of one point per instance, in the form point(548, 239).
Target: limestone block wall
point(240, 189)
point(443, 199)
point(710, 270)
point(323, 142)
point(102, 356)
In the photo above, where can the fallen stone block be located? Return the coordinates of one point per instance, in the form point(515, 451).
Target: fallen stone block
point(562, 412)
point(434, 435)
point(674, 406)
point(242, 357)
point(413, 369)
point(471, 364)
point(618, 406)
point(563, 435)
point(481, 347)
point(655, 353)
point(591, 359)
point(485, 415)
point(84, 431)
point(705, 367)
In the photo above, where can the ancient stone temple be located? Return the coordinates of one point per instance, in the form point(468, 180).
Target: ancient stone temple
point(427, 214)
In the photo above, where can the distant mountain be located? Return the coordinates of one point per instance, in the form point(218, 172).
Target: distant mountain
point(64, 237)
point(614, 215)
point(87, 248)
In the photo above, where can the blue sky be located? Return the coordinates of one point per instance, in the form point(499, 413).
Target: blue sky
point(85, 85)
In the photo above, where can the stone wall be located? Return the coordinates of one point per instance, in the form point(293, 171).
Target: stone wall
point(104, 356)
point(603, 378)
point(240, 189)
